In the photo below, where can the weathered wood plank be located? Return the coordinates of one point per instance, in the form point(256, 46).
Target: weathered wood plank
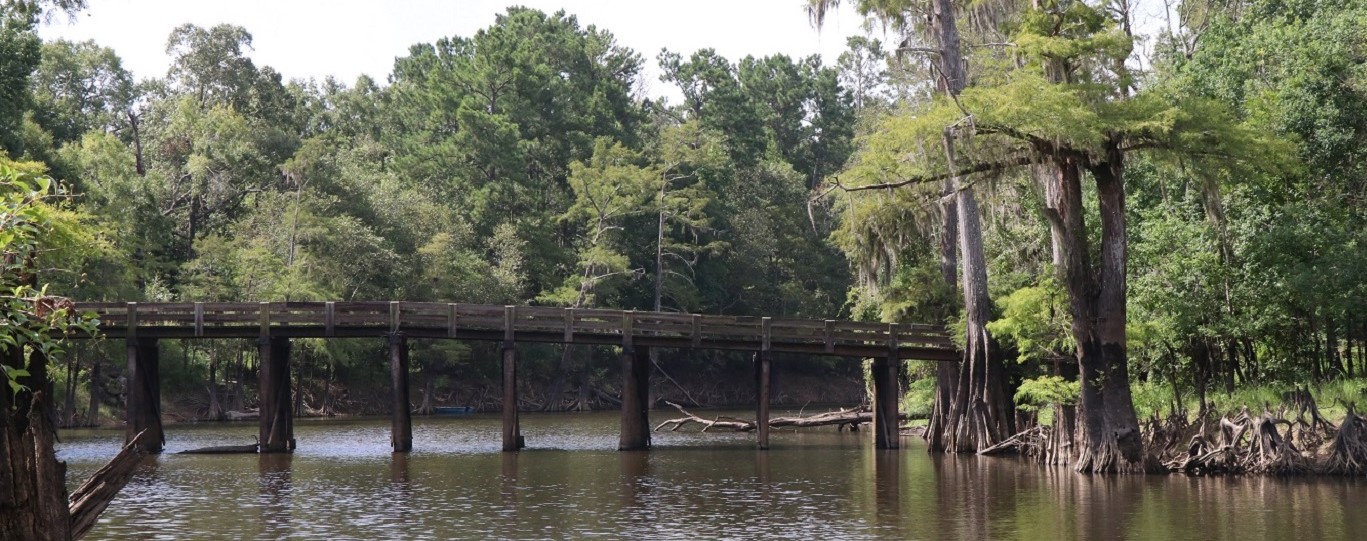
point(534, 323)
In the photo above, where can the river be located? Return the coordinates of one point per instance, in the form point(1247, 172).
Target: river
point(571, 483)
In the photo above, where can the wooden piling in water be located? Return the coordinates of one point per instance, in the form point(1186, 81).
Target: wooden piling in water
point(512, 431)
point(885, 430)
point(144, 394)
point(277, 417)
point(763, 379)
point(401, 425)
point(635, 435)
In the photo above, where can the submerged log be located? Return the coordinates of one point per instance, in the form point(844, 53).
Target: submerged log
point(851, 417)
point(221, 450)
point(94, 495)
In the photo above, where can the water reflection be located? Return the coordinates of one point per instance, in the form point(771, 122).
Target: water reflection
point(509, 477)
point(762, 471)
point(346, 484)
point(274, 498)
point(398, 469)
point(635, 473)
point(887, 488)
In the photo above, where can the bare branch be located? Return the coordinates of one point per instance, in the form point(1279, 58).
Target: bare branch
point(976, 168)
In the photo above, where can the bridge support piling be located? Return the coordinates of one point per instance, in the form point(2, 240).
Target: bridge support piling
point(512, 430)
point(635, 399)
point(277, 417)
point(144, 393)
point(401, 425)
point(885, 430)
point(763, 380)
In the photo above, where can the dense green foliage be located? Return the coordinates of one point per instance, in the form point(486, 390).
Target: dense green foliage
point(1244, 179)
point(517, 165)
point(520, 165)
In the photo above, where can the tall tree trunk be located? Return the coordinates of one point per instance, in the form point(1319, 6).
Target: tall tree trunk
point(946, 372)
point(1108, 438)
point(92, 416)
point(138, 165)
point(33, 493)
point(979, 414)
point(939, 427)
point(239, 402)
point(215, 407)
point(1331, 347)
point(428, 389)
point(1314, 335)
point(73, 371)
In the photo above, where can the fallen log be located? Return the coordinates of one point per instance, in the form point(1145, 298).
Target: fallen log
point(1028, 442)
point(94, 495)
point(851, 417)
point(221, 450)
point(241, 415)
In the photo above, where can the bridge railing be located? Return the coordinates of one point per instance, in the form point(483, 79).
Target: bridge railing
point(455, 320)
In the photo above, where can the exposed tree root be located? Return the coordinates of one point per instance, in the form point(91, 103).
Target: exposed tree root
point(1239, 443)
point(1348, 454)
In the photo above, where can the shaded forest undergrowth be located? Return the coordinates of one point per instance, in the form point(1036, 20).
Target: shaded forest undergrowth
point(725, 384)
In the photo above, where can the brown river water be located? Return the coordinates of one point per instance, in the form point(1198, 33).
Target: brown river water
point(571, 483)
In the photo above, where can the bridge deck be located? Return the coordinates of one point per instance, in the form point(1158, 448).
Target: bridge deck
point(520, 323)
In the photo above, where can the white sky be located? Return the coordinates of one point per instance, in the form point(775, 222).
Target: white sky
point(346, 38)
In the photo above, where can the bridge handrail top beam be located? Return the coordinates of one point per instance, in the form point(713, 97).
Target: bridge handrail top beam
point(512, 320)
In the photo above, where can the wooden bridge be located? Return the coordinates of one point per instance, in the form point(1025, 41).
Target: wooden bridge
point(273, 324)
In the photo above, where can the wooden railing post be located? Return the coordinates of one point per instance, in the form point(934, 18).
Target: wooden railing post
point(131, 319)
point(401, 420)
point(697, 330)
point(330, 319)
point(264, 314)
point(452, 319)
point(569, 326)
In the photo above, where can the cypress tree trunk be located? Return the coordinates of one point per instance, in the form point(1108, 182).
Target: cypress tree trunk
point(1108, 438)
point(974, 412)
point(33, 493)
point(946, 372)
point(73, 371)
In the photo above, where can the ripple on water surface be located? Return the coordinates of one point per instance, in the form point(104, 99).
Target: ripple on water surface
point(344, 483)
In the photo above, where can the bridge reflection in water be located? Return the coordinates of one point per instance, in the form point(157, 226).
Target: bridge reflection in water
point(273, 324)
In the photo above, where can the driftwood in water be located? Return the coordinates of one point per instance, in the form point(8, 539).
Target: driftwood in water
point(94, 495)
point(1033, 441)
point(234, 415)
point(851, 417)
point(221, 450)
